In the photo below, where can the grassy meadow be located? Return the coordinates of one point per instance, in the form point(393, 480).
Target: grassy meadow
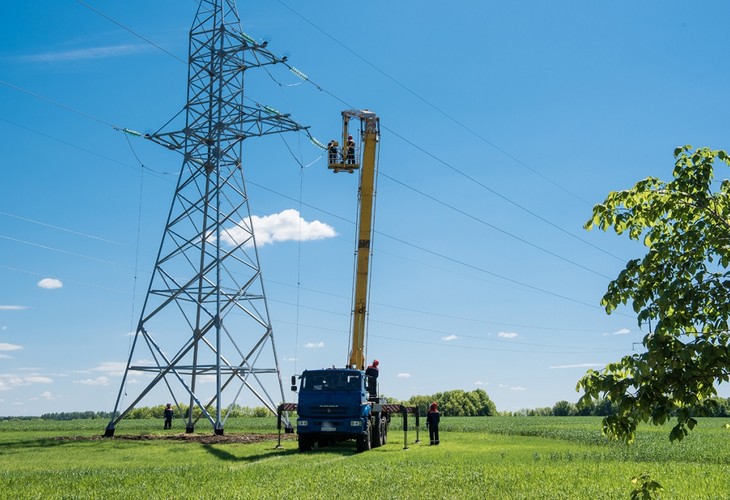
point(479, 457)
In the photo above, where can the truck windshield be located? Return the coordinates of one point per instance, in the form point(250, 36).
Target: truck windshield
point(331, 381)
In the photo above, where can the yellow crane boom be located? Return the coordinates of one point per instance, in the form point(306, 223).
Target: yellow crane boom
point(370, 130)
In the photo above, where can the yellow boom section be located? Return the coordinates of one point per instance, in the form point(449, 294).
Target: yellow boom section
point(370, 125)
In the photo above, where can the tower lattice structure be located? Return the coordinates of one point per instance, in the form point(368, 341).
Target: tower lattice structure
point(204, 326)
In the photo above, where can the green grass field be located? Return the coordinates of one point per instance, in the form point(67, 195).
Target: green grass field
point(479, 457)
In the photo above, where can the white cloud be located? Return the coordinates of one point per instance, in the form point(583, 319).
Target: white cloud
point(8, 382)
point(578, 365)
point(404, 375)
point(622, 331)
point(13, 308)
point(284, 226)
point(38, 379)
point(112, 368)
point(517, 388)
point(4, 346)
point(50, 283)
point(87, 53)
point(44, 395)
point(479, 382)
point(507, 335)
point(449, 338)
point(314, 345)
point(93, 381)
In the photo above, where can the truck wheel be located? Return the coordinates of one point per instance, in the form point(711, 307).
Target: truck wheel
point(306, 443)
point(377, 438)
point(363, 441)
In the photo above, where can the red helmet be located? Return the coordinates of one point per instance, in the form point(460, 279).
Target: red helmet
point(376, 362)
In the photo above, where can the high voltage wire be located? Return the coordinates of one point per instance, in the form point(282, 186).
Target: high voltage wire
point(132, 32)
point(433, 106)
point(482, 221)
point(423, 249)
point(433, 330)
point(411, 143)
point(320, 328)
point(395, 180)
point(442, 256)
point(446, 316)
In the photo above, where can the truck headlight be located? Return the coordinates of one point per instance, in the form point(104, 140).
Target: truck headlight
point(355, 423)
point(303, 423)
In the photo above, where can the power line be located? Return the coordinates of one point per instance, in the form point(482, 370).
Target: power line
point(507, 233)
point(56, 103)
point(465, 264)
point(434, 107)
point(452, 345)
point(59, 228)
point(414, 145)
point(445, 316)
point(154, 173)
point(131, 31)
point(395, 180)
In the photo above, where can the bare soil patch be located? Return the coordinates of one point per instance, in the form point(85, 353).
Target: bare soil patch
point(188, 438)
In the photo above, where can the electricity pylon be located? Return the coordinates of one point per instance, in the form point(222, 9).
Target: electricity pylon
point(204, 326)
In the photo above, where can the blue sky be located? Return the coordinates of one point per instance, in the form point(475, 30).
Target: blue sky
point(502, 124)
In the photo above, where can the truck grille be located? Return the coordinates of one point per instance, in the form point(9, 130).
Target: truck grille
point(327, 410)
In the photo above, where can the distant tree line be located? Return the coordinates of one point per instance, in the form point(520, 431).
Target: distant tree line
point(144, 412)
point(456, 403)
point(713, 407)
point(76, 415)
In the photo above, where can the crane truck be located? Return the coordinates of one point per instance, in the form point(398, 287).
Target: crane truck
point(338, 404)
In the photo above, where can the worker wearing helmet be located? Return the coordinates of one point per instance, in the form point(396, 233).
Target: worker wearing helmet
point(333, 150)
point(432, 422)
point(372, 373)
point(350, 150)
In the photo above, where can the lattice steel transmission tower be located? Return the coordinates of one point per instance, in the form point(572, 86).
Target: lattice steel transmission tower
point(204, 326)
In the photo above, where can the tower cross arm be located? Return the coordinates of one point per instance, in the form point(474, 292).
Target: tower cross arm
point(255, 122)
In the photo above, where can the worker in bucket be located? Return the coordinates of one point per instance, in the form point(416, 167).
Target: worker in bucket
point(334, 151)
point(432, 422)
point(350, 150)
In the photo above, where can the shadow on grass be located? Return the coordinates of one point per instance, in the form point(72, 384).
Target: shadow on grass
point(340, 449)
point(228, 456)
point(49, 442)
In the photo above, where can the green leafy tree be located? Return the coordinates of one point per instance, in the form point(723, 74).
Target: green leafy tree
point(681, 286)
point(564, 409)
point(457, 403)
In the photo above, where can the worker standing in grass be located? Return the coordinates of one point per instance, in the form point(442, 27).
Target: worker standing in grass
point(168, 416)
point(432, 422)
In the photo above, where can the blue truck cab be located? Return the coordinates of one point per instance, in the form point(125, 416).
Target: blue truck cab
point(334, 405)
